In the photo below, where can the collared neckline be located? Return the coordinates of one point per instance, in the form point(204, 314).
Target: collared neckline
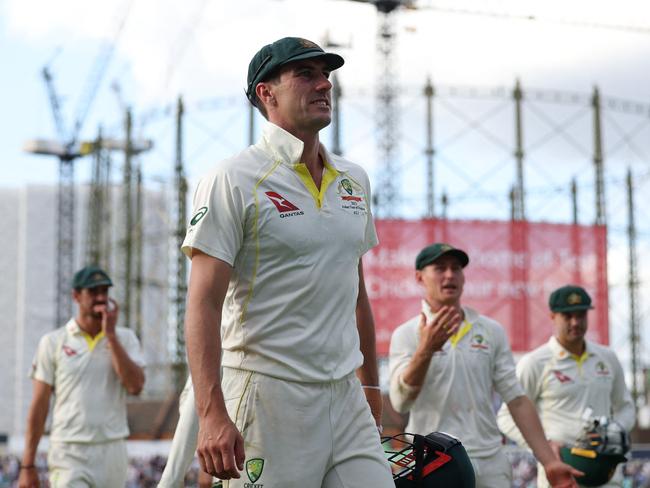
point(73, 328)
point(560, 352)
point(287, 148)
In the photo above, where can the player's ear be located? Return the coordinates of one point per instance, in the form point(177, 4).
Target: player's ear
point(418, 276)
point(264, 93)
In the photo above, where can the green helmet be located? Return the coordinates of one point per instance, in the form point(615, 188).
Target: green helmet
point(431, 461)
point(599, 449)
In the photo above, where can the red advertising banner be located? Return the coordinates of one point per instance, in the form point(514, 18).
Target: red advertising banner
point(514, 266)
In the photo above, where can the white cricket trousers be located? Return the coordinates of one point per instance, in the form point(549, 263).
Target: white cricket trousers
point(87, 465)
point(304, 435)
point(493, 472)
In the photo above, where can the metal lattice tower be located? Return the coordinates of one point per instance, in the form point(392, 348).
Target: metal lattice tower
point(98, 217)
point(520, 198)
point(601, 214)
point(633, 284)
point(65, 239)
point(429, 150)
point(127, 196)
point(139, 248)
point(180, 291)
point(387, 192)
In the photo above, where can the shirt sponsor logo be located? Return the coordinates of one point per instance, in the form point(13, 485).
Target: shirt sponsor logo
point(561, 377)
point(284, 206)
point(69, 351)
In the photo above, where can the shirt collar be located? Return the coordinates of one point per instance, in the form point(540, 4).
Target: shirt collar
point(286, 147)
point(73, 327)
point(560, 352)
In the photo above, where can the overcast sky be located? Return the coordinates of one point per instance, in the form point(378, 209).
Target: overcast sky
point(201, 49)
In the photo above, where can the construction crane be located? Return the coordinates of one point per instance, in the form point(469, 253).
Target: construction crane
point(68, 149)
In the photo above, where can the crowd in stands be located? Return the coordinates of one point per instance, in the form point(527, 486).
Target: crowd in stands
point(145, 472)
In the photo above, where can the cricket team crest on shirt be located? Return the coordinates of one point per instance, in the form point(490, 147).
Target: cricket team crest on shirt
point(284, 206)
point(68, 351)
point(601, 369)
point(254, 468)
point(351, 197)
point(479, 342)
point(561, 377)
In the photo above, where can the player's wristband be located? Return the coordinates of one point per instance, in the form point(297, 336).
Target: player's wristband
point(371, 387)
point(28, 466)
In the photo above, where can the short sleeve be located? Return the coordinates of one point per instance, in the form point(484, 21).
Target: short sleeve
point(132, 346)
point(218, 218)
point(44, 364)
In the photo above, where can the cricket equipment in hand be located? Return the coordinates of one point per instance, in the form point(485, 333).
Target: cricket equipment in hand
point(431, 461)
point(598, 450)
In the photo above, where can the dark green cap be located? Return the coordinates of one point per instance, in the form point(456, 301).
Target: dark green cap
point(569, 298)
point(430, 253)
point(90, 277)
point(268, 59)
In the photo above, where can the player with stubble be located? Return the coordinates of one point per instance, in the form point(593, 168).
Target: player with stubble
point(88, 366)
point(446, 362)
point(277, 297)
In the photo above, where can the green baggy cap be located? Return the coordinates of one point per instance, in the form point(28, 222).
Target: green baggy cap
point(272, 56)
point(430, 253)
point(90, 277)
point(569, 298)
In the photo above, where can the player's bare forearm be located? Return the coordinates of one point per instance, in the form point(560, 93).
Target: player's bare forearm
point(208, 284)
point(220, 446)
point(525, 416)
point(130, 373)
point(527, 420)
point(36, 416)
point(368, 373)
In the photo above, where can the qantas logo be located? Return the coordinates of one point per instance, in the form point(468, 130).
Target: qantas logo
point(283, 205)
point(561, 377)
point(69, 351)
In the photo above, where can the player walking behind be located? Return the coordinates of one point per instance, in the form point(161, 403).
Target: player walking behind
point(570, 374)
point(89, 365)
point(444, 365)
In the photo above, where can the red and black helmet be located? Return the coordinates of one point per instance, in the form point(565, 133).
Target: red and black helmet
point(431, 461)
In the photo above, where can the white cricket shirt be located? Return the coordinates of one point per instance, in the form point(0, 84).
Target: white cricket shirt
point(289, 310)
point(456, 396)
point(89, 399)
point(562, 386)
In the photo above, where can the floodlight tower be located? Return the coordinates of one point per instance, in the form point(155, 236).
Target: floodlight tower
point(386, 193)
